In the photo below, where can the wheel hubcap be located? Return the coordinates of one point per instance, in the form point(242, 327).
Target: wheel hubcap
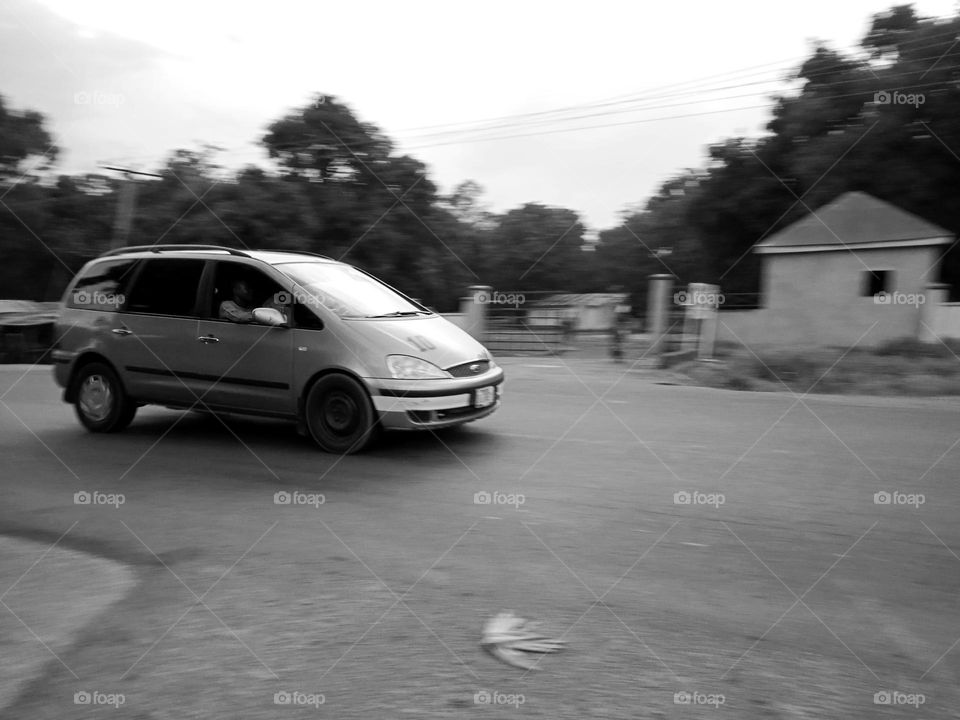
point(96, 397)
point(340, 413)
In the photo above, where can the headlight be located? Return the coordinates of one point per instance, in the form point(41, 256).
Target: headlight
point(405, 367)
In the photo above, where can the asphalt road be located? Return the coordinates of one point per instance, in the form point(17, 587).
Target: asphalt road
point(782, 590)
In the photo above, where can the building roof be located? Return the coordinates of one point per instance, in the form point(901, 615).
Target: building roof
point(855, 220)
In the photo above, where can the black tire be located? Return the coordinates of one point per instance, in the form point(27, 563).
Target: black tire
point(100, 401)
point(339, 415)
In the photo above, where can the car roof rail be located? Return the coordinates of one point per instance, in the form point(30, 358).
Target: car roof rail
point(232, 251)
point(172, 247)
point(301, 252)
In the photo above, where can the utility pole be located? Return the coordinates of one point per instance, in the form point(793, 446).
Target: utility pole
point(126, 204)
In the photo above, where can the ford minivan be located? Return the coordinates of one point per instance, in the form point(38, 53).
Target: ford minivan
point(280, 334)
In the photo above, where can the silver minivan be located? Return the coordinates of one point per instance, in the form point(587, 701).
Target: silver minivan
point(280, 334)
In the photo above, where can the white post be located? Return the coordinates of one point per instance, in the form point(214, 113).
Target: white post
point(708, 336)
point(474, 310)
point(703, 300)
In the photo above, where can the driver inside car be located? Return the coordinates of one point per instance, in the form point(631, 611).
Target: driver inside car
point(240, 308)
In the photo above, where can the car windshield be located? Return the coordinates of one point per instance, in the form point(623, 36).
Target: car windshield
point(347, 291)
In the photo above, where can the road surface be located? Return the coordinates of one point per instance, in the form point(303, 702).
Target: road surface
point(700, 551)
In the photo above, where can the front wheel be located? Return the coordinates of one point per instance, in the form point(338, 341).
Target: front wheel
point(339, 415)
point(100, 401)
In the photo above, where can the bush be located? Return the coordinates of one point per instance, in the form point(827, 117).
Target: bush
point(908, 347)
point(900, 367)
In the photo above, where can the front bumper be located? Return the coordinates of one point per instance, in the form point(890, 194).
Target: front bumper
point(433, 404)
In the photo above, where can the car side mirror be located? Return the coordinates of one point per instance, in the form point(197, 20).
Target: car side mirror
point(269, 316)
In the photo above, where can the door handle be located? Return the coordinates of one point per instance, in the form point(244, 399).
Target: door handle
point(121, 331)
point(207, 339)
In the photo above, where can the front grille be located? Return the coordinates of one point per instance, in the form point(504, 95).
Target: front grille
point(477, 367)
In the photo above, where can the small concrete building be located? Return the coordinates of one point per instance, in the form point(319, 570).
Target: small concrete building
point(856, 270)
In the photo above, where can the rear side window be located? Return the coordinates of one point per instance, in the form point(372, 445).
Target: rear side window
point(102, 286)
point(166, 286)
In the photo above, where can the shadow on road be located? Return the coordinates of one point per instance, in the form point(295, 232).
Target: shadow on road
point(281, 435)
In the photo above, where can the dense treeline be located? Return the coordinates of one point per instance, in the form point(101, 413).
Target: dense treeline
point(886, 122)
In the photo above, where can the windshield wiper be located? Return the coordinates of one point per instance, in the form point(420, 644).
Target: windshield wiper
point(400, 313)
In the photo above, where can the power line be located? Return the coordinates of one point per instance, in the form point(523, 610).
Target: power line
point(823, 86)
point(551, 131)
point(598, 103)
point(649, 95)
point(643, 103)
point(829, 70)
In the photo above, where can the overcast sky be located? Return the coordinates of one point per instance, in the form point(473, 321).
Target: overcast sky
point(128, 82)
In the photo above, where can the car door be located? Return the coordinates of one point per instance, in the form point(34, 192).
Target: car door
point(155, 331)
point(247, 365)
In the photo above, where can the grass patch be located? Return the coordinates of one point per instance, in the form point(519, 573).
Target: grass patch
point(899, 367)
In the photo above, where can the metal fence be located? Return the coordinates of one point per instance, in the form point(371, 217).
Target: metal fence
point(519, 321)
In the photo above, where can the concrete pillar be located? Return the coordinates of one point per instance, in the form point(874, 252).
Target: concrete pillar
point(936, 294)
point(708, 337)
point(658, 308)
point(474, 310)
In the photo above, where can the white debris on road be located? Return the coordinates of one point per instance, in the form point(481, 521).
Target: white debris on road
point(516, 641)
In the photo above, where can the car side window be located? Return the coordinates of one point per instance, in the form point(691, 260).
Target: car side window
point(239, 289)
point(166, 286)
point(102, 286)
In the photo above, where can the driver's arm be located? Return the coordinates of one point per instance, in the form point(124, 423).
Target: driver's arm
point(229, 310)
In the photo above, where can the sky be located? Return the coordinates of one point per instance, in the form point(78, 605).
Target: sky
point(585, 105)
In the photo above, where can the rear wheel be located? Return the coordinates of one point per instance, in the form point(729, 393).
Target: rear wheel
point(100, 402)
point(339, 415)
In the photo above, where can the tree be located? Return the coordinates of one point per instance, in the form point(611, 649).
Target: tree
point(26, 259)
point(887, 127)
point(538, 248)
point(23, 136)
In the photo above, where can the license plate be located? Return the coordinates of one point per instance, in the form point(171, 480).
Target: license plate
point(485, 396)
